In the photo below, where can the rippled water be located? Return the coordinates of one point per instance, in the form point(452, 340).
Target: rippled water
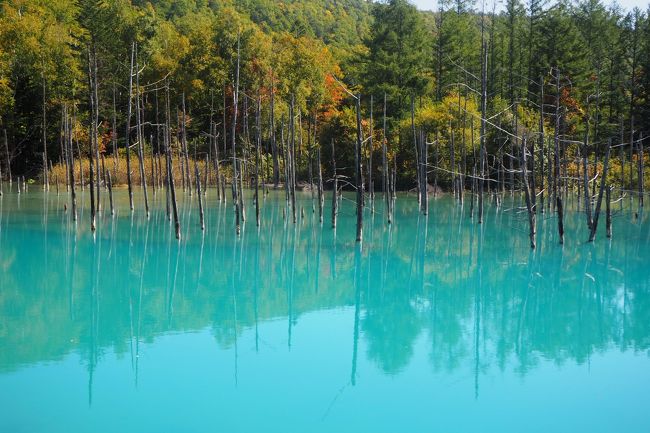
point(435, 324)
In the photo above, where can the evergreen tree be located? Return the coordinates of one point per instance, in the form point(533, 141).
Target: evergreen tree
point(398, 53)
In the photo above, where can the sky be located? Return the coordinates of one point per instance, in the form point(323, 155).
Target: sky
point(626, 4)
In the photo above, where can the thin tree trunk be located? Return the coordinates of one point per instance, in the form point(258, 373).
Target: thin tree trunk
point(541, 140)
point(140, 136)
point(216, 164)
point(603, 183)
point(528, 193)
point(292, 156)
point(258, 144)
point(556, 193)
point(96, 118)
point(335, 187)
point(172, 189)
point(68, 143)
point(640, 169)
point(452, 160)
point(127, 135)
point(185, 153)
point(114, 132)
point(608, 210)
point(417, 158)
point(92, 134)
point(197, 177)
point(371, 189)
point(424, 177)
point(110, 192)
point(385, 167)
point(585, 178)
point(320, 186)
point(46, 181)
point(170, 169)
point(233, 141)
point(8, 156)
point(436, 161)
point(483, 131)
point(63, 145)
point(359, 179)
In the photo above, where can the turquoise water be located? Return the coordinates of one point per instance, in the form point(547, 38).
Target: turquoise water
point(436, 325)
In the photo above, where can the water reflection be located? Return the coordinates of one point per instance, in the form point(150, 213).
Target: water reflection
point(475, 293)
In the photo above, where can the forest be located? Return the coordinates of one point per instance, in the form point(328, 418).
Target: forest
point(394, 97)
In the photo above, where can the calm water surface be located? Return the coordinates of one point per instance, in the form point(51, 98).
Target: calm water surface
point(436, 325)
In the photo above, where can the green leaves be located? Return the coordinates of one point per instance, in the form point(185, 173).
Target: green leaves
point(399, 52)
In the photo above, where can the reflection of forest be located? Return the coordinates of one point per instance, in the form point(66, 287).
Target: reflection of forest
point(480, 297)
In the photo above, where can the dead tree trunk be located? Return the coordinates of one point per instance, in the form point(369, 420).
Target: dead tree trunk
point(415, 149)
point(8, 156)
point(452, 161)
point(640, 169)
point(556, 169)
point(359, 178)
point(385, 167)
point(64, 149)
point(258, 124)
point(96, 114)
point(436, 162)
point(170, 169)
point(81, 171)
point(184, 149)
point(371, 189)
point(528, 194)
point(92, 135)
point(114, 130)
point(541, 141)
point(483, 150)
point(423, 171)
point(335, 188)
point(235, 97)
point(197, 177)
point(320, 187)
point(140, 136)
point(585, 178)
point(292, 155)
point(110, 192)
point(274, 145)
point(128, 130)
point(603, 183)
point(46, 181)
point(172, 191)
point(310, 168)
point(70, 153)
point(608, 207)
point(216, 163)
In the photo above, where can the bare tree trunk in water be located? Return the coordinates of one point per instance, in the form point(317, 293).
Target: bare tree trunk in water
point(258, 144)
point(197, 177)
point(140, 136)
point(359, 178)
point(603, 183)
point(68, 143)
point(128, 130)
point(529, 204)
point(233, 142)
point(92, 135)
point(110, 192)
point(335, 187)
point(557, 194)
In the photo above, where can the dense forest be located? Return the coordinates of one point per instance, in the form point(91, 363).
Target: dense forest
point(449, 83)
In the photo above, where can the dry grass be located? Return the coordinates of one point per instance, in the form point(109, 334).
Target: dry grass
point(118, 171)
